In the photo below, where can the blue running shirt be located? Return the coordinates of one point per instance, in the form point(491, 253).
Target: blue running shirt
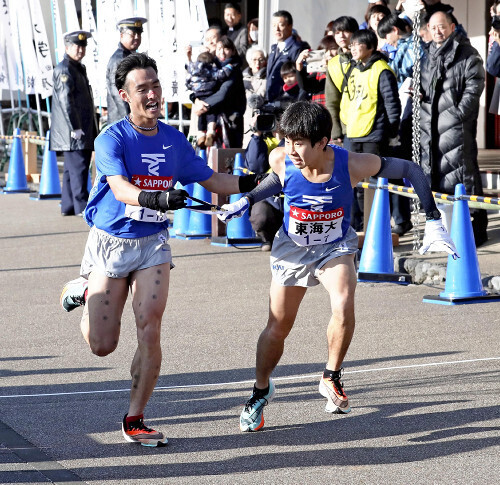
point(318, 213)
point(150, 163)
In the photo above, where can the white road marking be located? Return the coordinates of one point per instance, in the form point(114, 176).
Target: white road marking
point(219, 384)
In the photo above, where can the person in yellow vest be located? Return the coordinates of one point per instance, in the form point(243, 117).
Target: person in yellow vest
point(370, 108)
point(339, 69)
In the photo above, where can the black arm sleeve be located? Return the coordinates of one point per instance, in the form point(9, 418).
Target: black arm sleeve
point(397, 168)
point(271, 185)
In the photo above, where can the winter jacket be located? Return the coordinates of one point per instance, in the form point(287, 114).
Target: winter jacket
point(339, 67)
point(72, 108)
point(387, 112)
point(276, 59)
point(204, 78)
point(117, 108)
point(452, 80)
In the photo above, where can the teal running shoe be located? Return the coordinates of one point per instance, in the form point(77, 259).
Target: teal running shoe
point(252, 416)
point(73, 294)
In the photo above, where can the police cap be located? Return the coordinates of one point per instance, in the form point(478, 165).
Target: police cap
point(78, 37)
point(132, 23)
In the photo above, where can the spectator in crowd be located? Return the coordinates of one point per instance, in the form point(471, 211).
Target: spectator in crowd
point(313, 82)
point(493, 63)
point(290, 91)
point(252, 32)
point(399, 49)
point(452, 80)
point(210, 39)
point(339, 68)
point(73, 128)
point(371, 4)
point(329, 28)
point(398, 46)
point(230, 99)
point(287, 48)
point(370, 109)
point(204, 78)
point(266, 215)
point(376, 14)
point(235, 30)
point(130, 40)
point(254, 80)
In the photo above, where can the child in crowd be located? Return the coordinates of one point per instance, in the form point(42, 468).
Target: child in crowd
point(291, 91)
point(204, 78)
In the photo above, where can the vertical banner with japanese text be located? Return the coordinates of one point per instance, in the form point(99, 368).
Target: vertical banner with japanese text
point(13, 52)
point(44, 81)
point(57, 30)
point(91, 59)
point(20, 9)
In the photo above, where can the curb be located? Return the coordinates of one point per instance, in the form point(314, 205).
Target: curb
point(428, 272)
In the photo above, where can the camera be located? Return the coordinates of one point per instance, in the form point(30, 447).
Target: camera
point(267, 113)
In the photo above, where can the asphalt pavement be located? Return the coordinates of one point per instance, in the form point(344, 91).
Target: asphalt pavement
point(423, 379)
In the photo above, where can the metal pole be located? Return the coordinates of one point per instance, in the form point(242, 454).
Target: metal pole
point(40, 124)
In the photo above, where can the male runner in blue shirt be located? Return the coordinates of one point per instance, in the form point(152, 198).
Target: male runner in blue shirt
point(316, 243)
point(138, 162)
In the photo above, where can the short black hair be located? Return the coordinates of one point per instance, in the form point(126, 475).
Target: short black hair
point(328, 43)
point(366, 37)
point(205, 57)
point(386, 25)
point(227, 43)
point(137, 60)
point(345, 24)
point(376, 9)
point(233, 5)
point(285, 14)
point(287, 67)
point(306, 120)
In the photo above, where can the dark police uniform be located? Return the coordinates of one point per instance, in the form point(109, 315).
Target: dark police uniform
point(73, 110)
point(117, 108)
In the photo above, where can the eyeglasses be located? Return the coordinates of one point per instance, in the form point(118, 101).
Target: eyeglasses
point(260, 60)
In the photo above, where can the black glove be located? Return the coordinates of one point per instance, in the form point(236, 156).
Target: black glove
point(170, 199)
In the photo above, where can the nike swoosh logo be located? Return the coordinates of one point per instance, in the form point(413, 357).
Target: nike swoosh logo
point(329, 189)
point(165, 148)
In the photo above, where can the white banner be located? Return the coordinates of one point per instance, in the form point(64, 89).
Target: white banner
point(199, 21)
point(140, 11)
point(72, 23)
point(91, 59)
point(42, 49)
point(32, 74)
point(8, 76)
point(15, 47)
point(109, 13)
point(57, 30)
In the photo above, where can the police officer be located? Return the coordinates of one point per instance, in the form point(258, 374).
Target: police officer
point(73, 127)
point(130, 40)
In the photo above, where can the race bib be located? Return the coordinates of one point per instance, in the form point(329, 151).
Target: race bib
point(308, 228)
point(150, 183)
point(144, 214)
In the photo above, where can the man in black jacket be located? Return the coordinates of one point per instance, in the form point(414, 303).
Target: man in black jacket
point(73, 127)
point(130, 40)
point(452, 82)
point(287, 48)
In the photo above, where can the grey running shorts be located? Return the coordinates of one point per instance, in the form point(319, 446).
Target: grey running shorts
point(117, 257)
point(293, 265)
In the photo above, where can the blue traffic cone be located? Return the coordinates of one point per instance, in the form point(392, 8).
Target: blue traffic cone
point(16, 181)
point(200, 225)
point(50, 185)
point(180, 225)
point(377, 263)
point(240, 231)
point(463, 278)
